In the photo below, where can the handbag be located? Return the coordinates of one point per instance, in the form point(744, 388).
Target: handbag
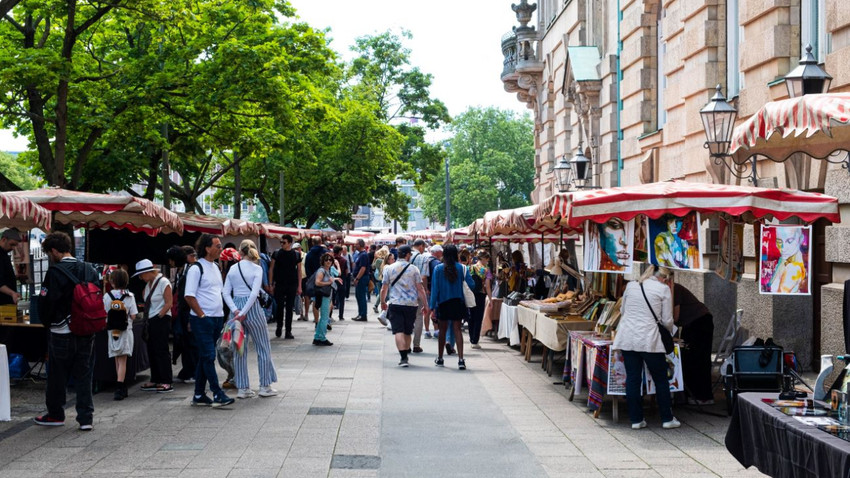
point(146, 315)
point(666, 336)
point(468, 295)
point(264, 299)
point(321, 290)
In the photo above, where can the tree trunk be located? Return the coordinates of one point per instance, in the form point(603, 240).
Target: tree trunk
point(35, 107)
point(61, 137)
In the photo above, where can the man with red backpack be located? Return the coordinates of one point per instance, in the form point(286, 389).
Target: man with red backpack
point(69, 287)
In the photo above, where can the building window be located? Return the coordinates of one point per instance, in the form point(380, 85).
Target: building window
point(733, 41)
point(661, 83)
point(813, 28)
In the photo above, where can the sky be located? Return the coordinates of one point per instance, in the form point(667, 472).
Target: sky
point(457, 41)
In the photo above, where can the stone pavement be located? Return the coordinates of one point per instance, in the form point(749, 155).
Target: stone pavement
point(349, 411)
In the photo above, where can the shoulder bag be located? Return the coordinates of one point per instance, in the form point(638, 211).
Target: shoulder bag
point(666, 336)
point(322, 290)
point(468, 295)
point(263, 298)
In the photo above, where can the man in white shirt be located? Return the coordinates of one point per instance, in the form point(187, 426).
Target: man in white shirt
point(401, 295)
point(419, 259)
point(203, 295)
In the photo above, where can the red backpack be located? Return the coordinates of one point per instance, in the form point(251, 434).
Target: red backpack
point(87, 313)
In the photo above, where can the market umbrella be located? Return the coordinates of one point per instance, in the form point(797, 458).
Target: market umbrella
point(21, 213)
point(221, 226)
point(104, 210)
point(817, 125)
point(681, 197)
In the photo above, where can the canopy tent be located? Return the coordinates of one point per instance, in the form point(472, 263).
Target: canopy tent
point(219, 225)
point(681, 197)
point(387, 239)
point(351, 237)
point(497, 225)
point(21, 213)
point(104, 210)
point(276, 232)
point(428, 235)
point(817, 125)
point(460, 235)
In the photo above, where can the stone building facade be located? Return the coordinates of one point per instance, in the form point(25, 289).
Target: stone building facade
point(624, 80)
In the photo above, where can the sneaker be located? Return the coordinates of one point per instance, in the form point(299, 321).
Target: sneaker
point(461, 364)
point(201, 401)
point(693, 401)
point(417, 350)
point(638, 426)
point(267, 392)
point(48, 421)
point(359, 319)
point(438, 361)
point(288, 337)
point(245, 393)
point(671, 424)
point(184, 380)
point(403, 363)
point(87, 427)
point(341, 318)
point(476, 346)
point(165, 388)
point(222, 401)
point(329, 327)
point(427, 334)
point(228, 384)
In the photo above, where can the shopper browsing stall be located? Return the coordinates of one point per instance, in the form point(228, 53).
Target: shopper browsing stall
point(157, 312)
point(697, 331)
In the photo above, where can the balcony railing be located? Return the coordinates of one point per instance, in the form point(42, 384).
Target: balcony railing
point(509, 50)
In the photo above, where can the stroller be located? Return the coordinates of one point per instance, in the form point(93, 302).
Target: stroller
point(755, 368)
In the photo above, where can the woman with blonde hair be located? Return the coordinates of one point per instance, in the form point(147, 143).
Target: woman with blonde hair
point(646, 303)
point(241, 291)
point(378, 272)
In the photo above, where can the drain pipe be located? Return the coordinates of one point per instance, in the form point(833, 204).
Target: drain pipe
point(619, 98)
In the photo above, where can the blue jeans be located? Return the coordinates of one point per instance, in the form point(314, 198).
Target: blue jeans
point(324, 317)
point(657, 365)
point(207, 332)
point(361, 293)
point(70, 356)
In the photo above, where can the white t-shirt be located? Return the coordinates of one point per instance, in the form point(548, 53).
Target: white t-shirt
point(158, 296)
point(234, 286)
point(206, 289)
point(129, 303)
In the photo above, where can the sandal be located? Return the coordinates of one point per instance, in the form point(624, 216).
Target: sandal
point(164, 388)
point(149, 387)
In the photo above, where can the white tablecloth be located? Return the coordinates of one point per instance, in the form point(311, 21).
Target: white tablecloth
point(5, 394)
point(508, 325)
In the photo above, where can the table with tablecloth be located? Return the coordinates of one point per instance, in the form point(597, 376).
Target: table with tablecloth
point(491, 314)
point(508, 327)
point(781, 446)
point(587, 365)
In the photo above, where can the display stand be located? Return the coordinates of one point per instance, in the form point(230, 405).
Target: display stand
point(5, 387)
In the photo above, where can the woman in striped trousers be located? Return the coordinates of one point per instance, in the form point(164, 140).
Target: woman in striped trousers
point(241, 291)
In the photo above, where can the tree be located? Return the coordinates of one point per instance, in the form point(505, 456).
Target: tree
point(491, 165)
point(16, 174)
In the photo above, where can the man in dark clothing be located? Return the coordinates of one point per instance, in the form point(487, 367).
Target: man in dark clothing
point(69, 355)
point(345, 275)
point(8, 283)
point(285, 282)
point(697, 326)
point(362, 274)
point(399, 241)
point(311, 265)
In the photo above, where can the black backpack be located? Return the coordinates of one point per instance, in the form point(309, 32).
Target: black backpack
point(182, 305)
point(116, 316)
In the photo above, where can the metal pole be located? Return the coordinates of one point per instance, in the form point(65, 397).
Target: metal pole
point(166, 170)
point(448, 198)
point(282, 220)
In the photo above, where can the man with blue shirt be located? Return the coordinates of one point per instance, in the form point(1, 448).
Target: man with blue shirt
point(361, 281)
point(401, 295)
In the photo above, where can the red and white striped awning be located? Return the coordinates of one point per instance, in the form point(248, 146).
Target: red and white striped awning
point(428, 235)
point(681, 197)
point(104, 210)
point(460, 235)
point(816, 125)
point(276, 232)
point(21, 213)
point(521, 221)
point(221, 226)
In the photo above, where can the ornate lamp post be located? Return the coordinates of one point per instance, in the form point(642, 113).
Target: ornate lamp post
point(718, 121)
point(563, 171)
point(808, 78)
point(581, 165)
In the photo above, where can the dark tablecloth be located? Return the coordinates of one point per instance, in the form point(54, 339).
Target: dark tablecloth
point(104, 367)
point(779, 445)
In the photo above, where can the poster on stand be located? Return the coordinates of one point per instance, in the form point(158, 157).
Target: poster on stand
point(576, 363)
point(609, 247)
point(641, 239)
point(730, 263)
point(616, 373)
point(675, 242)
point(784, 260)
point(674, 373)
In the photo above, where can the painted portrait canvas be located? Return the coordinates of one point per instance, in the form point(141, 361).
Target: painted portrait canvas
point(609, 247)
point(674, 242)
point(785, 261)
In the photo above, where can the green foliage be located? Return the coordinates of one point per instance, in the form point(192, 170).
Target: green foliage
point(14, 170)
point(491, 165)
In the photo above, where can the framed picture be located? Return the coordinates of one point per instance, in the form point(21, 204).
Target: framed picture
point(674, 373)
point(641, 239)
point(609, 247)
point(674, 242)
point(616, 373)
point(785, 261)
point(730, 256)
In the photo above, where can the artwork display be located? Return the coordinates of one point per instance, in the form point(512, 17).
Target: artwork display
point(730, 263)
point(641, 239)
point(617, 374)
point(609, 247)
point(674, 242)
point(784, 260)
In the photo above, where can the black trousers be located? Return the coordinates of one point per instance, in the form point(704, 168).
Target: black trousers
point(285, 303)
point(341, 293)
point(476, 317)
point(184, 347)
point(160, 356)
point(70, 356)
point(696, 358)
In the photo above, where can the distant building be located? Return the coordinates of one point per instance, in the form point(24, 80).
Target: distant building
point(372, 218)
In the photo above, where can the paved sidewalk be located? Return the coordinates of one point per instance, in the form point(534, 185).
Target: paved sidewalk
point(349, 411)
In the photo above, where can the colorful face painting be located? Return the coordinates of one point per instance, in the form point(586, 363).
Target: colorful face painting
point(785, 260)
point(609, 247)
point(730, 258)
point(674, 242)
point(641, 242)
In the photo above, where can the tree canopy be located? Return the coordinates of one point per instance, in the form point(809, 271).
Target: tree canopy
point(491, 166)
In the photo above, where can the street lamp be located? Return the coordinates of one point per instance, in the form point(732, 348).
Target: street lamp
point(448, 191)
point(718, 121)
point(562, 174)
point(808, 77)
point(581, 165)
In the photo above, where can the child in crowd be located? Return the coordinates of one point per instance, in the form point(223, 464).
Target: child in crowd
point(120, 325)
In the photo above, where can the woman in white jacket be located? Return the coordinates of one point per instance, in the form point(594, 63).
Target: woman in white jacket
point(241, 289)
point(639, 341)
